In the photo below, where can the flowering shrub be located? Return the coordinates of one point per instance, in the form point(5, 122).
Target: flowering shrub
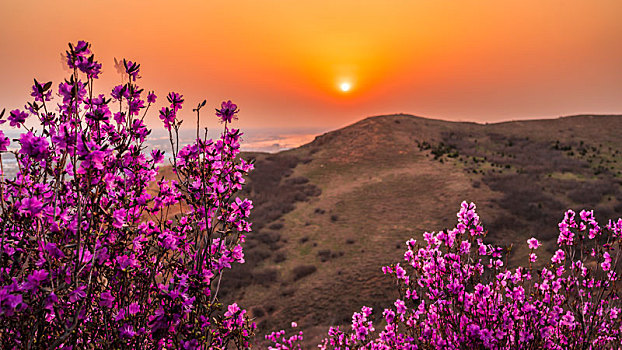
point(280, 342)
point(90, 251)
point(456, 294)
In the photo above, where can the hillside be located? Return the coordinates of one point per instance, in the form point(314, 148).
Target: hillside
point(330, 213)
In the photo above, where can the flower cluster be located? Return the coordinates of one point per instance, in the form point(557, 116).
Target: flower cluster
point(94, 250)
point(456, 294)
point(280, 342)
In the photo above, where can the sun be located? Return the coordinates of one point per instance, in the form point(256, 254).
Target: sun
point(345, 86)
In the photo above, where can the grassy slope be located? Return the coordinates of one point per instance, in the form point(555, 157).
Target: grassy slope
point(346, 203)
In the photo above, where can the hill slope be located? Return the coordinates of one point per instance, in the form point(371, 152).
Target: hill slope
point(330, 213)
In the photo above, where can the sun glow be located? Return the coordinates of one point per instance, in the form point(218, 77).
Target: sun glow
point(345, 86)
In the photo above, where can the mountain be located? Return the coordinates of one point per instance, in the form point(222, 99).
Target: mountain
point(329, 214)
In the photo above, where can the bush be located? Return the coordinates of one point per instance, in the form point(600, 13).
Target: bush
point(456, 294)
point(302, 271)
point(280, 257)
point(324, 254)
point(94, 251)
point(276, 226)
point(266, 276)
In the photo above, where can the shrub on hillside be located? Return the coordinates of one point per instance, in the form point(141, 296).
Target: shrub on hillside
point(302, 271)
point(90, 251)
point(456, 294)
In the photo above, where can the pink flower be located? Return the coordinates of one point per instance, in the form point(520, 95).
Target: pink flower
point(533, 243)
point(127, 331)
point(33, 146)
point(151, 97)
point(606, 265)
point(232, 310)
point(31, 206)
point(558, 257)
point(134, 308)
point(119, 217)
point(4, 142)
point(17, 118)
point(533, 257)
point(106, 299)
point(400, 306)
point(227, 111)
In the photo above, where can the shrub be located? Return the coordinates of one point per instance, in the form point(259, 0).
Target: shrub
point(89, 254)
point(280, 257)
point(302, 271)
point(266, 276)
point(276, 226)
point(324, 254)
point(456, 294)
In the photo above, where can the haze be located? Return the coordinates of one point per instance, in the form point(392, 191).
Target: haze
point(324, 64)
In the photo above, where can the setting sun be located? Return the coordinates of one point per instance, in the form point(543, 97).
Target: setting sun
point(345, 87)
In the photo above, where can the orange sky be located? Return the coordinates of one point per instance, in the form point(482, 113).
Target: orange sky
point(282, 60)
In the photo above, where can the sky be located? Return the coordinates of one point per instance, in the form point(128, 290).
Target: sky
point(284, 62)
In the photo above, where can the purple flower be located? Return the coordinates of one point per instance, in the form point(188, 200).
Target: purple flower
point(132, 69)
point(134, 308)
point(80, 57)
point(82, 47)
point(124, 262)
point(72, 91)
point(76, 53)
point(157, 156)
point(127, 331)
point(39, 92)
point(151, 97)
point(168, 117)
point(89, 67)
point(39, 275)
point(53, 250)
point(190, 344)
point(400, 306)
point(227, 111)
point(77, 294)
point(533, 243)
point(14, 300)
point(238, 254)
point(4, 142)
point(36, 278)
point(91, 155)
point(33, 146)
point(465, 247)
point(119, 117)
point(120, 315)
point(558, 257)
point(232, 310)
point(119, 216)
point(567, 320)
point(31, 206)
point(119, 91)
point(106, 300)
point(135, 105)
point(17, 118)
point(606, 265)
point(176, 100)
